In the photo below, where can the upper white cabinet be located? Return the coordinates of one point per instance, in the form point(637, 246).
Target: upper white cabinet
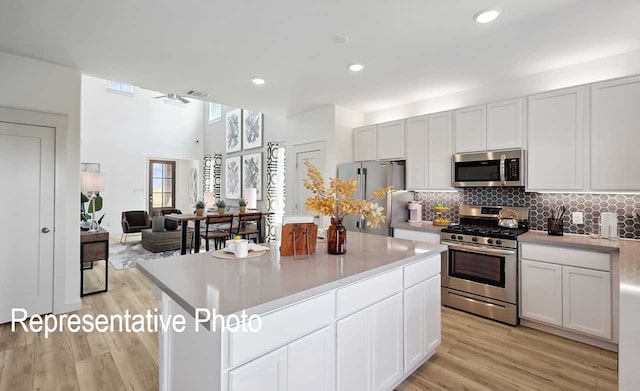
point(429, 150)
point(471, 129)
point(615, 135)
point(365, 143)
point(556, 140)
point(417, 160)
point(505, 124)
point(391, 140)
point(440, 151)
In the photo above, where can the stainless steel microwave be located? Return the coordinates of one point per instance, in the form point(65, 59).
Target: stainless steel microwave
point(489, 169)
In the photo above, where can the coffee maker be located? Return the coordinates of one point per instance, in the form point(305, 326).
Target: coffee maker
point(415, 211)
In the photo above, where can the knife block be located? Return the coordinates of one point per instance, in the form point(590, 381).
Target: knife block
point(298, 239)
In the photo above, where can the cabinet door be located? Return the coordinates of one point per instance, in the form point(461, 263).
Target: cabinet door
point(312, 362)
point(387, 343)
point(440, 150)
point(541, 292)
point(504, 124)
point(417, 145)
point(556, 140)
point(391, 140)
point(587, 301)
point(421, 321)
point(365, 143)
point(267, 373)
point(354, 351)
point(614, 130)
point(471, 129)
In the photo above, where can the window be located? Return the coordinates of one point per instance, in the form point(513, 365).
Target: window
point(215, 111)
point(162, 185)
point(121, 88)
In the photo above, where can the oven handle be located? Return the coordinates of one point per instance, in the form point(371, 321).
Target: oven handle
point(480, 250)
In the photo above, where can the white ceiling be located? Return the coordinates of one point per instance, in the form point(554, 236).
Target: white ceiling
point(412, 49)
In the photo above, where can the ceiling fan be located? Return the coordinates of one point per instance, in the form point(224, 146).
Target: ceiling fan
point(173, 97)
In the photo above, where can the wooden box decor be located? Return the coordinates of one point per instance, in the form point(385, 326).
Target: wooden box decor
point(299, 239)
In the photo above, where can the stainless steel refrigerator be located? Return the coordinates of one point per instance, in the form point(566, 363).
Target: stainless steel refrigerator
point(372, 176)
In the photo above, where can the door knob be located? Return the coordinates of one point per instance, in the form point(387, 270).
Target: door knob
point(45, 230)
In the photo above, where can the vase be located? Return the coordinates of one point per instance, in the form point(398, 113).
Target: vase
point(199, 211)
point(336, 237)
point(221, 211)
point(243, 209)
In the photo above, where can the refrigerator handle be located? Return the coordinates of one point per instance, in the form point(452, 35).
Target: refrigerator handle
point(363, 194)
point(359, 179)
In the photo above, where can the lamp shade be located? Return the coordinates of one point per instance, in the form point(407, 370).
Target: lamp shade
point(251, 197)
point(92, 182)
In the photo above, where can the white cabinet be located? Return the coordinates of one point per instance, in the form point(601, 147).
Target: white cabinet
point(369, 347)
point(365, 143)
point(417, 160)
point(615, 135)
point(429, 150)
point(556, 140)
point(391, 140)
point(541, 292)
point(440, 151)
point(419, 236)
point(471, 129)
point(505, 124)
point(421, 321)
point(587, 301)
point(267, 373)
point(556, 291)
point(310, 362)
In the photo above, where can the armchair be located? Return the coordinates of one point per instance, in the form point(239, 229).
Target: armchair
point(134, 221)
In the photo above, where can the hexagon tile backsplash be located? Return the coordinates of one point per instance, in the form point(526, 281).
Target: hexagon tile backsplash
point(540, 205)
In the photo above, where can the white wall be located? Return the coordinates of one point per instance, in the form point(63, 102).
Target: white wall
point(345, 120)
point(607, 68)
point(39, 86)
point(274, 129)
point(122, 132)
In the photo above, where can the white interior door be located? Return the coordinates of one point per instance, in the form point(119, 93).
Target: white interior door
point(26, 237)
point(315, 157)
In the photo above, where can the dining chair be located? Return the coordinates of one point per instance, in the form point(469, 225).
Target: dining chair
point(250, 224)
point(216, 228)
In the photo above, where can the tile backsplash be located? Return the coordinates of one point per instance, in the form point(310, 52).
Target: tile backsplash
point(540, 205)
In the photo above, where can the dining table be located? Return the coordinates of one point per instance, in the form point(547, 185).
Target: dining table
point(236, 214)
point(184, 219)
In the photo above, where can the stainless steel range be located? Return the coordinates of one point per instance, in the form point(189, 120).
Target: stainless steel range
point(480, 271)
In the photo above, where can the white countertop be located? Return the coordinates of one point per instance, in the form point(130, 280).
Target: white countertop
point(259, 285)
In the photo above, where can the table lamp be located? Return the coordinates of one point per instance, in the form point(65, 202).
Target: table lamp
point(209, 200)
point(251, 196)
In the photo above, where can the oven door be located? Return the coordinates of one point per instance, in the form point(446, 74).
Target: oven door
point(484, 271)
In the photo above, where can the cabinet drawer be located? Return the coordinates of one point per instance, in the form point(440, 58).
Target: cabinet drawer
point(567, 256)
point(363, 294)
point(418, 236)
point(422, 270)
point(281, 327)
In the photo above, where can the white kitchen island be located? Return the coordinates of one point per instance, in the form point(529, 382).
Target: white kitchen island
point(360, 321)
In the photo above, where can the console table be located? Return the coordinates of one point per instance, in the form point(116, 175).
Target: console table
point(94, 246)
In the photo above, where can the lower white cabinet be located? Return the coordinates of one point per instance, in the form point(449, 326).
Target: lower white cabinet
point(419, 236)
point(541, 292)
point(587, 301)
point(311, 361)
point(267, 373)
point(570, 297)
point(369, 347)
point(421, 321)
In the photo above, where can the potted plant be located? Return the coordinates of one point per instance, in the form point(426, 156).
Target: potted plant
point(336, 201)
point(243, 205)
point(221, 206)
point(199, 208)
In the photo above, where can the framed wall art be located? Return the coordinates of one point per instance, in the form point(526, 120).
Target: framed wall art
point(233, 131)
point(251, 129)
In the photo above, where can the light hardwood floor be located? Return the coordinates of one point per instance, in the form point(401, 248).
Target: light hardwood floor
point(476, 354)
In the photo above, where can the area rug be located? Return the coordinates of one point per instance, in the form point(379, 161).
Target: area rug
point(125, 256)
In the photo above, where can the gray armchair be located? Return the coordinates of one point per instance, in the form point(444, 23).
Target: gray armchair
point(134, 221)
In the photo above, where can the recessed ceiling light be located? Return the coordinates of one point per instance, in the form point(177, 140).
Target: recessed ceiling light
point(258, 81)
point(487, 15)
point(340, 39)
point(356, 67)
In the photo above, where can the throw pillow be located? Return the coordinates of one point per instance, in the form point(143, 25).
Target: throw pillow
point(157, 224)
point(170, 225)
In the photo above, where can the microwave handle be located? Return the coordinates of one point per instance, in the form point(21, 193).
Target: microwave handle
point(503, 176)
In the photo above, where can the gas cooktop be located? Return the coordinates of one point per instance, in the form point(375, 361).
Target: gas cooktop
point(485, 230)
